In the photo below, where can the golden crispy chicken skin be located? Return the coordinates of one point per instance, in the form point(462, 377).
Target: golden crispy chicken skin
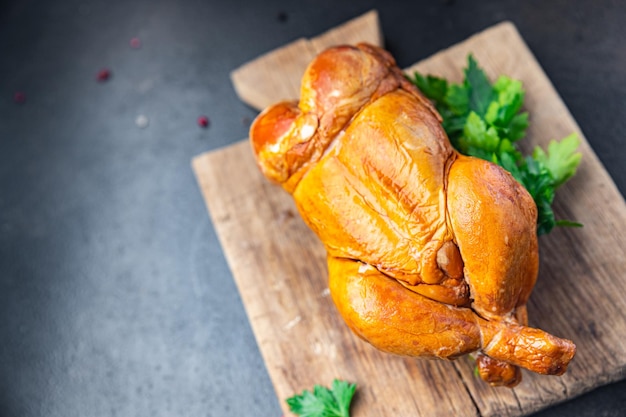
point(430, 253)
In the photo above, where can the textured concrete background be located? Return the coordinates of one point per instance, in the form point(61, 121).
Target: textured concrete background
point(115, 298)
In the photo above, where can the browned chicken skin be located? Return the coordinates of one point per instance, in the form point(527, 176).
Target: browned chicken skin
point(430, 253)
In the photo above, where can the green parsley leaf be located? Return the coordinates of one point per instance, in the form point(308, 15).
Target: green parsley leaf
point(562, 160)
point(324, 402)
point(433, 87)
point(481, 93)
point(457, 99)
point(517, 128)
point(502, 113)
point(568, 223)
point(486, 121)
point(537, 179)
point(479, 139)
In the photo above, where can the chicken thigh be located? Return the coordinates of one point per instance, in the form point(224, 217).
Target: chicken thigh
point(430, 253)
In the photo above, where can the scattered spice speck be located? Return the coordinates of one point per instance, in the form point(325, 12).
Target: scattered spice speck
point(135, 43)
point(282, 17)
point(103, 75)
point(19, 97)
point(142, 121)
point(203, 121)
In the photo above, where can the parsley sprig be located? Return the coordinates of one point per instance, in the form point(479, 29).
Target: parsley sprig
point(324, 402)
point(486, 120)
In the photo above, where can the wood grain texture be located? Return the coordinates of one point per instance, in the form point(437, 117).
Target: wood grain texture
point(280, 270)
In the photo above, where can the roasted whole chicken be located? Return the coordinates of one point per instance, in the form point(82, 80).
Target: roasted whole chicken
point(430, 253)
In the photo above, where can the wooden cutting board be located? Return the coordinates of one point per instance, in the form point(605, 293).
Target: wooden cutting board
point(279, 265)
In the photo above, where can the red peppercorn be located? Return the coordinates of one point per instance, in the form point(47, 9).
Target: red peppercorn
point(203, 121)
point(135, 43)
point(19, 97)
point(103, 75)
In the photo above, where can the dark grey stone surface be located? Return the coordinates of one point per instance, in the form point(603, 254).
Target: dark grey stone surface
point(115, 298)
